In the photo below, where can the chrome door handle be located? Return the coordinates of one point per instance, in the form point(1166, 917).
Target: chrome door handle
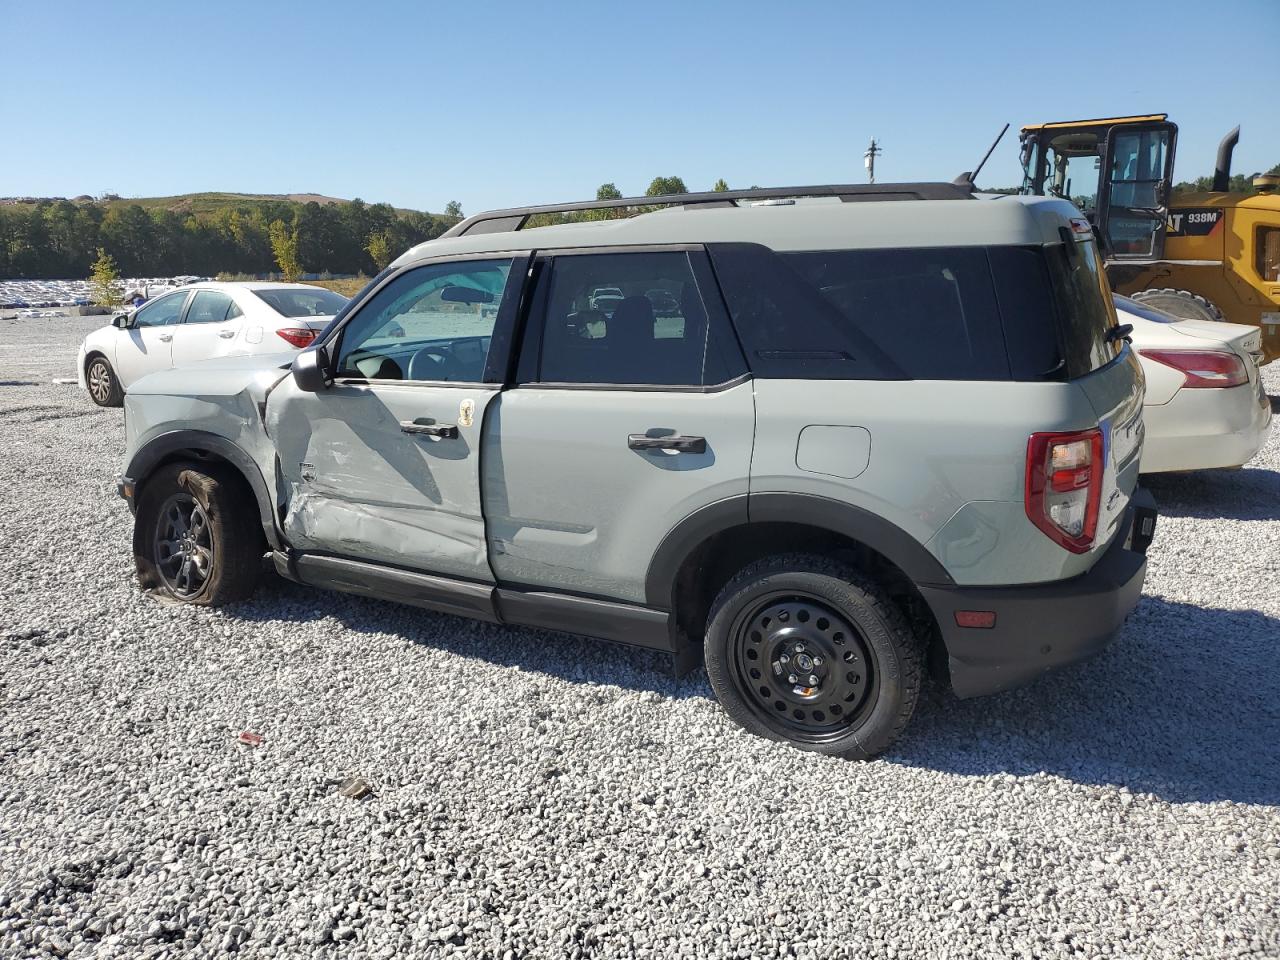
point(446, 431)
point(166, 337)
point(226, 334)
point(640, 441)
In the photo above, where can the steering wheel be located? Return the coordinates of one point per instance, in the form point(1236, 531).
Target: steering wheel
point(439, 357)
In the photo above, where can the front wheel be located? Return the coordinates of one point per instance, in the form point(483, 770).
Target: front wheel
point(810, 651)
point(196, 537)
point(104, 386)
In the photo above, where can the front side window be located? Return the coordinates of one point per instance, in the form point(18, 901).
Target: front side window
point(630, 319)
point(209, 306)
point(162, 312)
point(431, 323)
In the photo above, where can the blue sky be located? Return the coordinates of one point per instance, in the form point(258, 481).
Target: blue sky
point(498, 103)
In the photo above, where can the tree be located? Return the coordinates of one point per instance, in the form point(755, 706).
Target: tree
point(104, 283)
point(720, 186)
point(284, 244)
point(453, 209)
point(664, 185)
point(379, 247)
point(608, 191)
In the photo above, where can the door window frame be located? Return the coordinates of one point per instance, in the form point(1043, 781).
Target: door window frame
point(1105, 185)
point(182, 311)
point(186, 310)
point(501, 340)
point(533, 319)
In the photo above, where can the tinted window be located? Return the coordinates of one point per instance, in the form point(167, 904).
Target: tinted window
point(159, 313)
point(932, 311)
point(1085, 312)
point(429, 323)
point(316, 302)
point(631, 318)
point(1027, 312)
point(209, 306)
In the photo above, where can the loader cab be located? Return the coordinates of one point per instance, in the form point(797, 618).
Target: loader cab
point(1118, 171)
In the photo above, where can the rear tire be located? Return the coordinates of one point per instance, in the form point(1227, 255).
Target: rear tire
point(104, 385)
point(1180, 303)
point(196, 536)
point(810, 651)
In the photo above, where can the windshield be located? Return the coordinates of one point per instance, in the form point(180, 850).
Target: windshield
point(316, 302)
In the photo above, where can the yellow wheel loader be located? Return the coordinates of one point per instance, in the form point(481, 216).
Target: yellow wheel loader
point(1208, 256)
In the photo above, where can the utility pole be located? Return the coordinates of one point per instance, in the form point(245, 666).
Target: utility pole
point(869, 160)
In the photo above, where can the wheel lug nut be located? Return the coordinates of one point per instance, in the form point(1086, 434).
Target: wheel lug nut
point(817, 661)
point(799, 648)
point(784, 659)
point(813, 680)
point(792, 678)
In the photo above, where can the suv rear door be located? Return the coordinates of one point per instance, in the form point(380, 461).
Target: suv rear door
point(619, 425)
point(383, 465)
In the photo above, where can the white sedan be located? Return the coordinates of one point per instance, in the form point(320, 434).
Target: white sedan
point(198, 322)
point(1206, 406)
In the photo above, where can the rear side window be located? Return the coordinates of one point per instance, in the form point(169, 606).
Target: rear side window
point(933, 311)
point(209, 306)
point(629, 319)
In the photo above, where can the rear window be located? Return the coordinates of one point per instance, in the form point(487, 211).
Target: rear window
point(1085, 311)
point(303, 303)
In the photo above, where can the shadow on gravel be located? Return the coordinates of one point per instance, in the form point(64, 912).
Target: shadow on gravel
point(1245, 494)
point(1182, 705)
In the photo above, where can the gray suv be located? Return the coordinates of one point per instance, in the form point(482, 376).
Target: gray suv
point(862, 432)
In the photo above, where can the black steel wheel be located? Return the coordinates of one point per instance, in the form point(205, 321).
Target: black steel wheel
point(808, 650)
point(802, 665)
point(196, 535)
point(104, 387)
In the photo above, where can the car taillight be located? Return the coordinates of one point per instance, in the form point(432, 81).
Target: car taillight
point(1203, 368)
point(297, 336)
point(1064, 486)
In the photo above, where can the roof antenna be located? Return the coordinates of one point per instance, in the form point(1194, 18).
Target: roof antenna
point(971, 179)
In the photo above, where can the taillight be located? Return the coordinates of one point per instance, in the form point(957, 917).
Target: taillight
point(297, 336)
point(1203, 368)
point(1064, 486)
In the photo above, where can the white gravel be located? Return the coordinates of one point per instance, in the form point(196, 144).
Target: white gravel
point(538, 795)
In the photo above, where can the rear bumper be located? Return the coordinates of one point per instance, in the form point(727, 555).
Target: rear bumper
point(1045, 625)
point(1204, 429)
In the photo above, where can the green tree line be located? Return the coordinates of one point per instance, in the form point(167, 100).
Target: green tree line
point(59, 239)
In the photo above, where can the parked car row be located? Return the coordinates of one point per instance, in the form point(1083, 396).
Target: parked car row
point(817, 446)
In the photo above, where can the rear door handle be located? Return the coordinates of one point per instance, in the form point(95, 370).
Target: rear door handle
point(640, 441)
point(446, 431)
point(166, 337)
point(226, 334)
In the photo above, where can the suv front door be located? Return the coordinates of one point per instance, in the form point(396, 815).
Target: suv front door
point(622, 422)
point(383, 464)
point(146, 346)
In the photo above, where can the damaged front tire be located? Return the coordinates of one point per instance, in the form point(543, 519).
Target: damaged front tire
point(196, 537)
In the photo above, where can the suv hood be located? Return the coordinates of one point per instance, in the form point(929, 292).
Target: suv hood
point(220, 377)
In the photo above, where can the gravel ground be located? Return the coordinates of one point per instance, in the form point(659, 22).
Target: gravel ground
point(535, 794)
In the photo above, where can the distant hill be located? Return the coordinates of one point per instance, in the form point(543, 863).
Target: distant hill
point(200, 204)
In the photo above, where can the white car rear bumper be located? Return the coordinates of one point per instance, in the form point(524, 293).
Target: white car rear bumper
point(1203, 429)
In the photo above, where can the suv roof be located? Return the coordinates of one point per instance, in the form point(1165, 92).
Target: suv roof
point(826, 221)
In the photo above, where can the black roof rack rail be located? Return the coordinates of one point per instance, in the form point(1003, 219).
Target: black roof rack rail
point(500, 221)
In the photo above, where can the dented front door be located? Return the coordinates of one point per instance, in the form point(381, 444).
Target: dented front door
point(383, 464)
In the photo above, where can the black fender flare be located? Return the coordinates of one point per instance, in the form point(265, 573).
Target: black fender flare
point(160, 449)
point(886, 538)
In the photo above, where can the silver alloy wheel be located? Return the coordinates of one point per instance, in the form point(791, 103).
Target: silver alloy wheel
point(183, 546)
point(99, 378)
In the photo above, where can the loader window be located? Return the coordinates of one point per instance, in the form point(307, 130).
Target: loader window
point(1137, 171)
point(1269, 254)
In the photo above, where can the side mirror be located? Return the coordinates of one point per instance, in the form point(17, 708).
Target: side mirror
point(122, 321)
point(311, 369)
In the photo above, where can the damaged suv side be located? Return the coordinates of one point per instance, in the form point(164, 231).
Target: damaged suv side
point(812, 444)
